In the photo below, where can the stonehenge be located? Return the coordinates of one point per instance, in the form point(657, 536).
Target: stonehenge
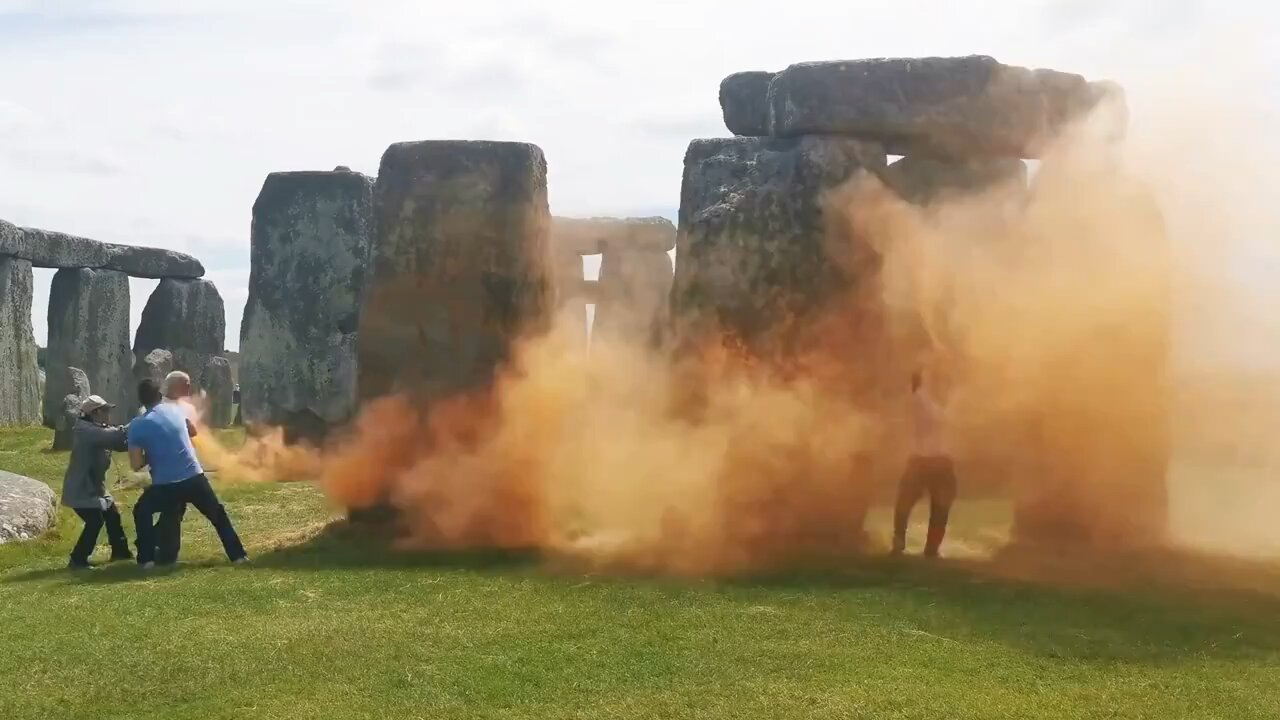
point(309, 257)
point(88, 319)
point(459, 269)
point(426, 279)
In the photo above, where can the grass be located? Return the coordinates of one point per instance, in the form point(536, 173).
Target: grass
point(330, 624)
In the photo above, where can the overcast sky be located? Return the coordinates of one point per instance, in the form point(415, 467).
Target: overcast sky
point(154, 122)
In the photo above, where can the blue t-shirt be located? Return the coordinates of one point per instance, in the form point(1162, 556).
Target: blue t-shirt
point(162, 434)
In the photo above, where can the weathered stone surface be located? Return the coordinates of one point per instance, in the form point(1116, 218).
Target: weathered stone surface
point(27, 508)
point(460, 266)
point(20, 396)
point(215, 380)
point(755, 247)
point(78, 384)
point(48, 248)
point(154, 365)
point(588, 236)
point(923, 179)
point(960, 107)
point(309, 263)
point(635, 284)
point(89, 329)
point(187, 318)
point(744, 100)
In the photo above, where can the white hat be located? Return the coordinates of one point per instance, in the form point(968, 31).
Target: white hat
point(93, 402)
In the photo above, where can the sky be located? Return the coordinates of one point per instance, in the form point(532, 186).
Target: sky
point(154, 122)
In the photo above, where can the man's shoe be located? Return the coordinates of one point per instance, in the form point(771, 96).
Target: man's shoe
point(76, 566)
point(147, 566)
point(242, 560)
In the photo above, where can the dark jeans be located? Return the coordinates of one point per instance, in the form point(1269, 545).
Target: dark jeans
point(936, 476)
point(171, 498)
point(168, 534)
point(94, 519)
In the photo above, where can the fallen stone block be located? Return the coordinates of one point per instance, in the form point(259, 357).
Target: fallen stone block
point(28, 508)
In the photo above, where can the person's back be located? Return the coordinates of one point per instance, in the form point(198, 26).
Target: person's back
point(162, 434)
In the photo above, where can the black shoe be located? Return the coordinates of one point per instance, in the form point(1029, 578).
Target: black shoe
point(77, 565)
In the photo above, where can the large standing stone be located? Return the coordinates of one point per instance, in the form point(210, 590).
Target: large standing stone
point(961, 106)
point(744, 100)
point(635, 284)
point(187, 318)
point(89, 329)
point(460, 265)
point(20, 395)
point(27, 508)
point(310, 255)
point(155, 365)
point(78, 386)
point(48, 248)
point(215, 380)
point(756, 247)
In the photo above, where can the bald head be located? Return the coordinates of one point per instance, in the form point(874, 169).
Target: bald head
point(177, 385)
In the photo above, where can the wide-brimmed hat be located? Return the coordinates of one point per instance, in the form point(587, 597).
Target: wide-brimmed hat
point(93, 402)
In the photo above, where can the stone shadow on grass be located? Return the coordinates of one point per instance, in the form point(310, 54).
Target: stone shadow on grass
point(1159, 607)
point(343, 545)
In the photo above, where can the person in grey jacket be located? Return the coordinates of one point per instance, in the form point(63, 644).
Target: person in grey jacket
point(84, 487)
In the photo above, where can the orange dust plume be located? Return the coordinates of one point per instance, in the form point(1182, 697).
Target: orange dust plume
point(1083, 327)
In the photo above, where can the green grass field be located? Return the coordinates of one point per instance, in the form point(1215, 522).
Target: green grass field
point(327, 624)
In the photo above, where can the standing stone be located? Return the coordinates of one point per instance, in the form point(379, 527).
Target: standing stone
point(187, 318)
point(309, 258)
point(215, 379)
point(89, 329)
point(27, 508)
point(78, 384)
point(744, 100)
point(960, 106)
point(460, 265)
point(757, 253)
point(156, 365)
point(20, 396)
point(635, 284)
point(570, 291)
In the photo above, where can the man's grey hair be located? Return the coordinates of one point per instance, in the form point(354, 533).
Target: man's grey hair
point(172, 379)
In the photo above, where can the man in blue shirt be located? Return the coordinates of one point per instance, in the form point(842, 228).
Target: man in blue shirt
point(161, 438)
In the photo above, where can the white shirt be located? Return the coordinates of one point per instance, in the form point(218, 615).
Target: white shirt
point(928, 436)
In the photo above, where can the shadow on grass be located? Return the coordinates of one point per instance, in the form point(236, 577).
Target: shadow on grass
point(1158, 607)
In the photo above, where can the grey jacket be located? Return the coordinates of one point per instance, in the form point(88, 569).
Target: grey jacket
point(86, 478)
